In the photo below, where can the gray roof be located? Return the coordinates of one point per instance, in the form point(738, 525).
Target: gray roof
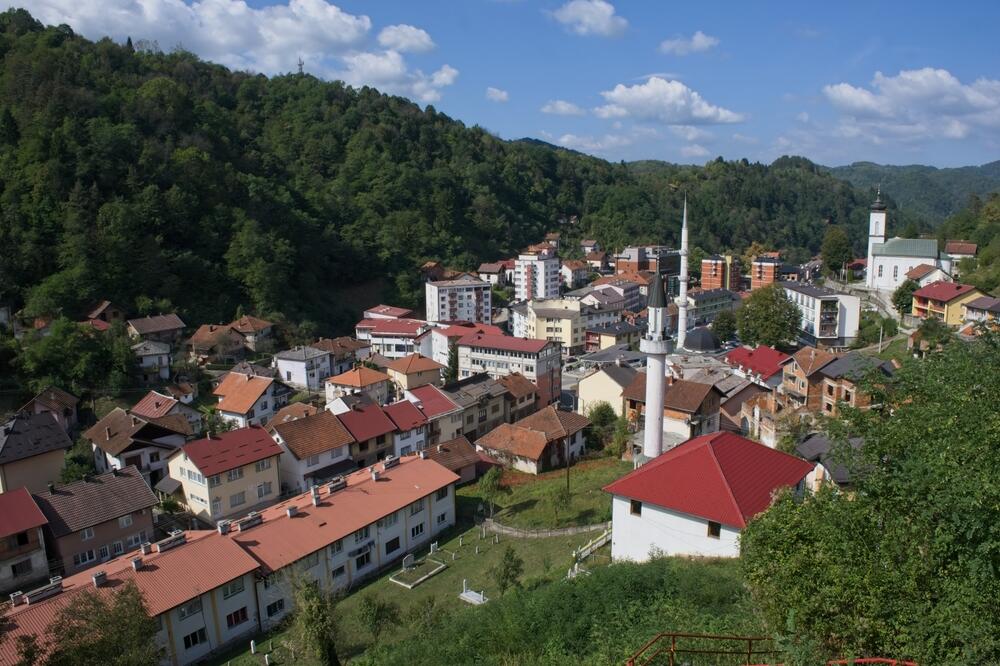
point(615, 328)
point(854, 366)
point(620, 374)
point(246, 368)
point(301, 354)
point(701, 339)
point(156, 323)
point(150, 348)
point(657, 298)
point(697, 295)
point(809, 289)
point(25, 435)
point(908, 247)
point(472, 389)
point(817, 448)
point(74, 506)
point(985, 303)
point(612, 354)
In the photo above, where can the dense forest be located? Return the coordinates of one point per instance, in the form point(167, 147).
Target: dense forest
point(163, 182)
point(979, 222)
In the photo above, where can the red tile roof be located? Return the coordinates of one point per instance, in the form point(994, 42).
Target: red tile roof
point(313, 434)
point(433, 402)
point(721, 477)
point(97, 324)
point(282, 540)
point(248, 324)
point(503, 343)
point(455, 454)
point(518, 385)
point(359, 377)
point(154, 405)
point(404, 328)
point(405, 415)
point(366, 420)
point(19, 513)
point(944, 291)
point(390, 310)
point(415, 363)
point(240, 392)
point(920, 271)
point(528, 437)
point(764, 361)
point(960, 247)
point(228, 450)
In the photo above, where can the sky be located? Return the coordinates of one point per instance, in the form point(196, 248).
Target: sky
point(888, 82)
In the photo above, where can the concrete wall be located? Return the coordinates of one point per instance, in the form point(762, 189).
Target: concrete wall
point(661, 530)
point(34, 473)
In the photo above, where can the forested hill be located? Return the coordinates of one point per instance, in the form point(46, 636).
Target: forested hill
point(160, 181)
point(931, 193)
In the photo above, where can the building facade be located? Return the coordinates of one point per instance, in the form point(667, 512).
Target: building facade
point(464, 299)
point(539, 361)
point(304, 367)
point(536, 273)
point(828, 318)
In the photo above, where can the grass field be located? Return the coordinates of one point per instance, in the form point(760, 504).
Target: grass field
point(525, 502)
point(894, 350)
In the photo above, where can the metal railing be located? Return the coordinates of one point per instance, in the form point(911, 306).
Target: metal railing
point(667, 647)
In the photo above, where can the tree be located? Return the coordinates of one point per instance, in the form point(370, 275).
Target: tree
point(602, 418)
point(621, 438)
point(110, 628)
point(558, 497)
point(489, 487)
point(507, 574)
point(70, 356)
point(29, 651)
point(451, 372)
point(314, 623)
point(836, 249)
point(934, 333)
point(724, 325)
point(79, 461)
point(768, 318)
point(752, 251)
point(902, 298)
point(377, 615)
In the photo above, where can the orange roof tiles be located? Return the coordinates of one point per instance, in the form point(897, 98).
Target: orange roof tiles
point(313, 434)
point(240, 392)
point(154, 405)
point(248, 324)
point(359, 377)
point(414, 363)
point(528, 437)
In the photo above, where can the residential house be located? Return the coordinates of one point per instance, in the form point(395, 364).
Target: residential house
point(411, 428)
point(183, 391)
point(574, 273)
point(228, 474)
point(444, 416)
point(605, 385)
point(547, 439)
point(654, 258)
point(944, 301)
point(497, 356)
point(121, 439)
point(483, 400)
point(536, 273)
point(828, 318)
point(522, 396)
point(97, 518)
point(23, 559)
point(395, 338)
point(251, 370)
point(107, 312)
point(154, 405)
point(553, 238)
point(258, 334)
point(802, 383)
point(588, 245)
point(57, 402)
point(831, 460)
point(609, 335)
point(360, 380)
point(371, 428)
point(32, 451)
point(246, 400)
point(345, 352)
point(610, 293)
point(925, 274)
point(959, 249)
point(152, 361)
point(695, 499)
point(197, 609)
point(466, 298)
point(459, 456)
point(304, 367)
point(315, 448)
point(414, 370)
point(597, 260)
point(491, 273)
point(762, 365)
point(842, 379)
point(388, 312)
point(166, 328)
point(982, 309)
point(216, 343)
point(689, 408)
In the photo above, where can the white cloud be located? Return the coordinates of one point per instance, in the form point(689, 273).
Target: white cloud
point(682, 46)
point(388, 72)
point(591, 17)
point(743, 138)
point(595, 144)
point(405, 38)
point(496, 95)
point(694, 150)
point(559, 107)
point(690, 133)
point(669, 102)
point(916, 104)
point(802, 117)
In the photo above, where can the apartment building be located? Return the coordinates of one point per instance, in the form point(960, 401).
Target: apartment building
point(315, 448)
point(395, 338)
point(606, 336)
point(654, 258)
point(536, 273)
point(704, 305)
point(484, 402)
point(538, 360)
point(764, 271)
point(97, 518)
point(562, 320)
point(828, 318)
point(466, 298)
point(227, 474)
point(32, 451)
point(23, 559)
point(574, 273)
point(720, 272)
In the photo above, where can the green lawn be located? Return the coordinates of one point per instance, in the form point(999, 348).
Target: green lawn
point(894, 350)
point(525, 503)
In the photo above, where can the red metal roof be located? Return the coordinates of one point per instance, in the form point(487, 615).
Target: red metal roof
point(154, 405)
point(228, 450)
point(405, 415)
point(388, 311)
point(461, 330)
point(19, 513)
point(399, 327)
point(721, 477)
point(433, 402)
point(764, 361)
point(365, 421)
point(943, 291)
point(960, 247)
point(503, 343)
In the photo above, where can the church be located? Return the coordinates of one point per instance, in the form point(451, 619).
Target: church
point(890, 260)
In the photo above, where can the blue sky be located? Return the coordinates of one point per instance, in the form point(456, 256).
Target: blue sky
point(891, 82)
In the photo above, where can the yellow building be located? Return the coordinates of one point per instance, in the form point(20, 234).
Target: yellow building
point(32, 452)
point(414, 371)
point(562, 320)
point(943, 300)
point(604, 385)
point(226, 475)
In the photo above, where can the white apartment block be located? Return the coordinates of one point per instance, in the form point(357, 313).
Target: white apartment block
point(540, 361)
point(465, 299)
point(829, 318)
point(536, 273)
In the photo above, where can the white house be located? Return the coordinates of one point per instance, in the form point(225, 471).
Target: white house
point(463, 299)
point(304, 367)
point(829, 318)
point(121, 439)
point(890, 261)
point(536, 273)
point(153, 359)
point(246, 400)
point(411, 427)
point(695, 499)
point(316, 449)
point(395, 338)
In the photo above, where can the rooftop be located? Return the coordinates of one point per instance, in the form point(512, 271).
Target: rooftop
point(809, 289)
point(150, 348)
point(944, 291)
point(433, 401)
point(156, 323)
point(465, 280)
point(239, 393)
point(388, 311)
point(518, 385)
point(985, 303)
point(365, 420)
point(921, 270)
point(359, 377)
point(296, 410)
point(404, 328)
point(228, 450)
point(817, 448)
point(503, 343)
point(528, 437)
point(960, 247)
point(415, 363)
point(301, 354)
point(91, 501)
point(248, 324)
point(313, 434)
point(119, 429)
point(25, 435)
point(405, 415)
point(56, 399)
point(341, 347)
point(854, 366)
point(811, 359)
point(907, 247)
point(154, 405)
point(471, 390)
point(19, 513)
point(763, 360)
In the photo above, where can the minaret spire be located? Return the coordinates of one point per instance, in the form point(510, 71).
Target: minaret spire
point(682, 300)
point(656, 344)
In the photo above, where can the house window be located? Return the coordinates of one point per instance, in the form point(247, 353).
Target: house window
point(362, 560)
point(237, 499)
point(880, 271)
point(635, 508)
point(135, 540)
point(416, 530)
point(310, 560)
point(154, 457)
point(288, 375)
point(442, 494)
point(234, 474)
point(216, 505)
point(117, 548)
point(86, 534)
point(380, 440)
point(829, 389)
point(263, 464)
point(416, 507)
point(339, 571)
point(312, 461)
point(361, 534)
point(442, 518)
point(336, 546)
point(275, 608)
point(232, 587)
point(263, 490)
point(83, 558)
point(19, 539)
point(189, 609)
point(714, 529)
point(847, 396)
point(104, 552)
point(195, 638)
point(895, 272)
point(389, 520)
point(263, 405)
point(392, 545)
point(125, 521)
point(22, 568)
point(236, 617)
point(214, 480)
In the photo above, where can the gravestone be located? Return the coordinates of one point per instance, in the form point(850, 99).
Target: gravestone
point(434, 547)
point(407, 562)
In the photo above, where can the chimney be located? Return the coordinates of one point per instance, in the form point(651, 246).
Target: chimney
point(16, 597)
point(135, 421)
point(146, 548)
point(107, 432)
point(291, 511)
point(114, 471)
point(52, 487)
point(315, 498)
point(423, 454)
point(136, 563)
point(99, 578)
point(223, 526)
point(374, 473)
point(440, 448)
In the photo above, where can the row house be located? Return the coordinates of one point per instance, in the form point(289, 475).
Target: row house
point(96, 519)
point(61, 404)
point(944, 301)
point(246, 400)
point(539, 361)
point(536, 273)
point(315, 448)
point(345, 352)
point(484, 403)
point(464, 299)
point(32, 451)
point(361, 380)
point(410, 435)
point(304, 367)
point(413, 371)
point(395, 338)
point(444, 416)
point(445, 338)
point(801, 381)
point(23, 558)
point(226, 474)
point(122, 439)
point(548, 439)
point(166, 328)
point(156, 405)
point(522, 396)
point(370, 426)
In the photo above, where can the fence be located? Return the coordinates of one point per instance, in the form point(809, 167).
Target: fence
point(586, 550)
point(519, 533)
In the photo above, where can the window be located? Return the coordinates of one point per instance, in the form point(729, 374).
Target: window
point(442, 494)
point(442, 518)
point(288, 375)
point(117, 548)
point(363, 446)
point(275, 608)
point(263, 464)
point(189, 609)
point(312, 461)
point(828, 407)
point(416, 530)
point(237, 499)
point(406, 435)
point(86, 534)
point(714, 529)
point(125, 521)
point(216, 505)
point(880, 271)
point(494, 409)
point(361, 534)
point(236, 617)
point(232, 587)
point(104, 552)
point(895, 272)
point(263, 490)
point(847, 396)
point(392, 545)
point(389, 520)
point(416, 507)
point(336, 546)
point(195, 638)
point(83, 558)
point(215, 480)
point(310, 560)
point(263, 405)
point(154, 457)
point(829, 389)
point(635, 508)
point(19, 539)
point(362, 560)
point(380, 440)
point(135, 540)
point(24, 568)
point(339, 571)
point(234, 474)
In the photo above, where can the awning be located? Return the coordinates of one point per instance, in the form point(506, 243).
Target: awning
point(168, 485)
